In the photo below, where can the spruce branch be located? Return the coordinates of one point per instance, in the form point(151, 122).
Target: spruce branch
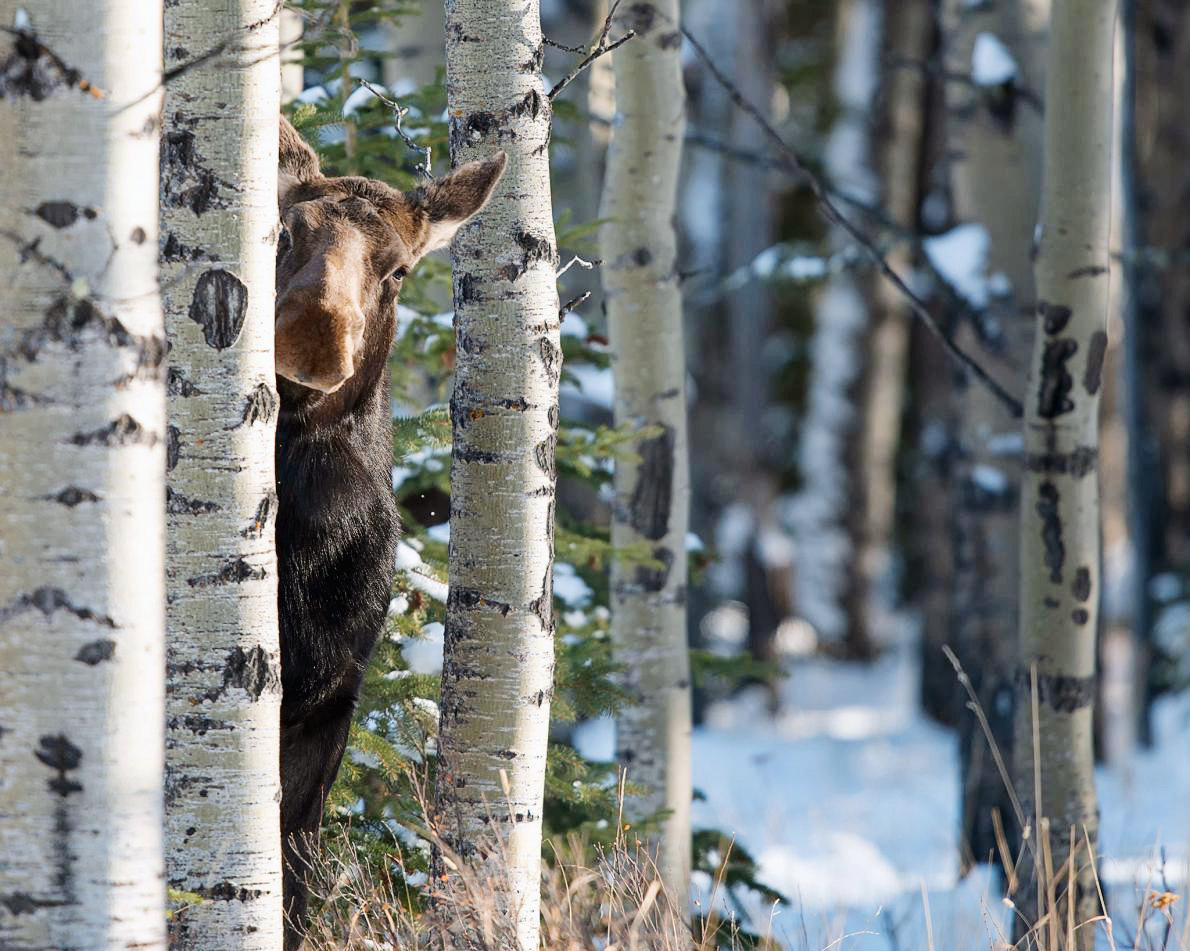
point(833, 214)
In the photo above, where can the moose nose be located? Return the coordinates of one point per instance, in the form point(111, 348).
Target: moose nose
point(318, 336)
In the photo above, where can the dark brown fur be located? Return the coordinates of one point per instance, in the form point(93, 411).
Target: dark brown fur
point(345, 246)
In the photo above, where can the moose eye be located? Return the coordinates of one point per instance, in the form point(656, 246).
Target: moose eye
point(399, 274)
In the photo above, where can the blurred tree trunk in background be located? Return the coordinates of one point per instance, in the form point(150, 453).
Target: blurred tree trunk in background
point(416, 45)
point(219, 206)
point(644, 308)
point(908, 32)
point(82, 462)
point(1159, 474)
point(820, 514)
point(497, 677)
point(1060, 531)
point(994, 131)
point(293, 73)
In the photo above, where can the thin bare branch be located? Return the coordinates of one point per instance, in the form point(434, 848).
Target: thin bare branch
point(399, 113)
point(600, 48)
point(832, 213)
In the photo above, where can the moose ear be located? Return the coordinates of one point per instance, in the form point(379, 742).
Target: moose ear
point(452, 200)
point(296, 160)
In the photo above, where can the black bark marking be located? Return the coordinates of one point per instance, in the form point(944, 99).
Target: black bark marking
point(173, 250)
point(68, 322)
point(1054, 317)
point(138, 235)
point(551, 359)
point(219, 305)
point(198, 724)
point(260, 407)
point(226, 891)
point(235, 572)
point(58, 214)
point(544, 455)
point(1080, 616)
point(669, 41)
point(639, 17)
point(1051, 603)
point(1078, 463)
point(1053, 398)
point(96, 652)
point(251, 671)
point(1082, 584)
point(72, 496)
point(1060, 693)
point(62, 756)
point(468, 292)
point(1091, 270)
point(1095, 354)
point(178, 384)
point(186, 182)
point(260, 520)
point(178, 504)
point(653, 496)
point(481, 456)
point(1051, 530)
point(122, 431)
point(47, 601)
point(173, 447)
point(652, 577)
point(32, 69)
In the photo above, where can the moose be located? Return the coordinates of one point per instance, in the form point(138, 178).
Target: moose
point(345, 245)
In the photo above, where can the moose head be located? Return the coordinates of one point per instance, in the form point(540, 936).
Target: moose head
point(345, 246)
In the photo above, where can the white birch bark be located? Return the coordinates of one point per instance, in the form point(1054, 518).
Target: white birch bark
point(994, 136)
point(497, 677)
point(820, 512)
point(1060, 540)
point(82, 452)
point(644, 308)
point(218, 228)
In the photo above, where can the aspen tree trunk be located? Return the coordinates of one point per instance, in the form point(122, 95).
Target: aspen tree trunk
point(820, 515)
point(219, 227)
point(908, 28)
point(995, 144)
point(644, 309)
point(497, 677)
point(1060, 548)
point(82, 454)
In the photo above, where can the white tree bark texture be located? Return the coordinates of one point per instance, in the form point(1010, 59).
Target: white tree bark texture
point(82, 461)
point(1060, 531)
point(995, 143)
point(497, 678)
point(638, 245)
point(218, 250)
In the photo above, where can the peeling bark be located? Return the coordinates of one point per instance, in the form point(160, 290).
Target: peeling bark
point(219, 198)
point(504, 421)
point(82, 447)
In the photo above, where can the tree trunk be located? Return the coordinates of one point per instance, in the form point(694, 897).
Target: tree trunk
point(82, 452)
point(644, 308)
point(219, 228)
point(497, 677)
point(1060, 540)
point(293, 73)
point(908, 27)
point(820, 515)
point(995, 145)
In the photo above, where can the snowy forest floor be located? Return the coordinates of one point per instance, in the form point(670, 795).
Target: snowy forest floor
point(849, 801)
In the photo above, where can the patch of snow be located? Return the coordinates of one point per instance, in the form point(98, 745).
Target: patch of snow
point(1165, 587)
point(961, 257)
point(594, 384)
point(694, 543)
point(990, 479)
point(407, 557)
point(802, 267)
point(20, 20)
point(595, 740)
point(358, 97)
point(574, 326)
point(439, 533)
point(569, 588)
point(423, 655)
point(992, 63)
point(314, 94)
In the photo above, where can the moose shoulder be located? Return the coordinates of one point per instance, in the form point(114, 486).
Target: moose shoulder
point(345, 245)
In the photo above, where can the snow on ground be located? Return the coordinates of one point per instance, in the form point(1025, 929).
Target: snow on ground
point(849, 802)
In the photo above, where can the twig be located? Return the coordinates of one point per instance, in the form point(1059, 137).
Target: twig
point(600, 48)
point(585, 265)
point(572, 304)
point(832, 213)
point(398, 115)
